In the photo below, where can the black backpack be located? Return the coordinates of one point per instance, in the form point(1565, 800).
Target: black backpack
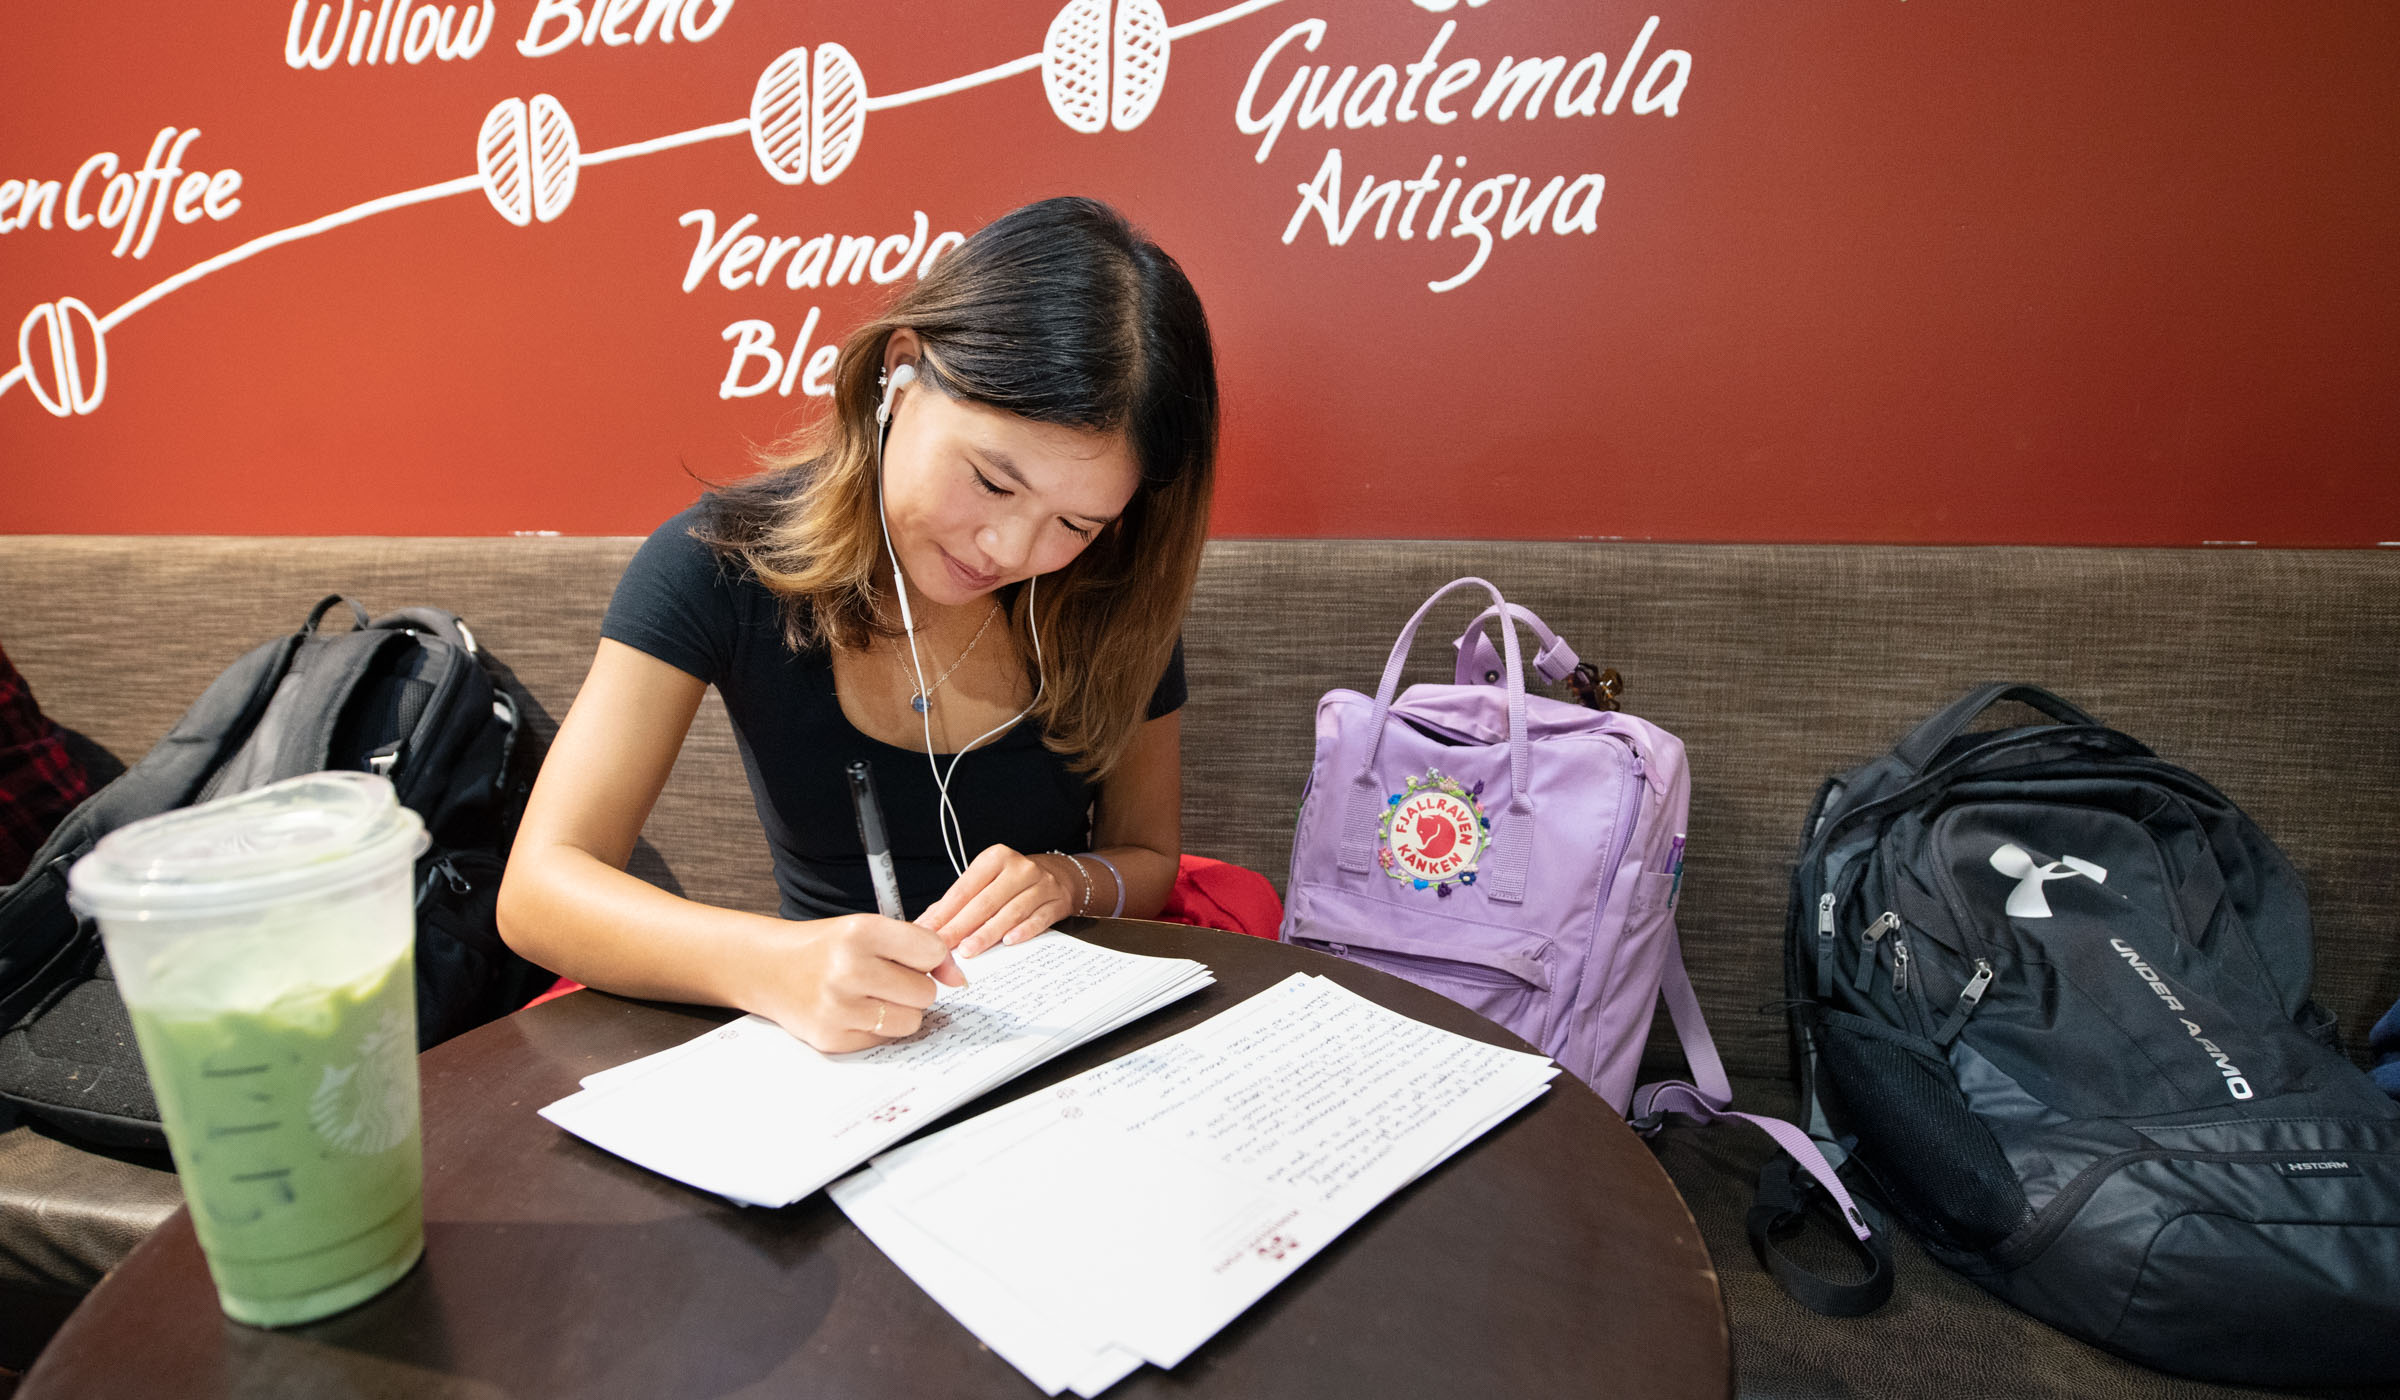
point(2053, 993)
point(409, 695)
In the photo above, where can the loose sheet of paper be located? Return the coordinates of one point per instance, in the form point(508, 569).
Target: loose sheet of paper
point(1265, 1131)
point(753, 1114)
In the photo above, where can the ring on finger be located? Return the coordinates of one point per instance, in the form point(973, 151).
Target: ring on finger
point(881, 1008)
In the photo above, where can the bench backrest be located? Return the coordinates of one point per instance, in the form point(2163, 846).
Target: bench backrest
point(2271, 672)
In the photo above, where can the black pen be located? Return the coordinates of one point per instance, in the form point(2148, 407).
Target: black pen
point(877, 841)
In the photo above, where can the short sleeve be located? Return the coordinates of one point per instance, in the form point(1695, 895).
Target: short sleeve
point(675, 602)
point(1171, 692)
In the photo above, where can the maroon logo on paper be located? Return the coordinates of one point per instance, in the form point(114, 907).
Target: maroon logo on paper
point(1274, 1247)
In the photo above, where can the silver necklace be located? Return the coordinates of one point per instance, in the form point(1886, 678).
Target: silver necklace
point(923, 699)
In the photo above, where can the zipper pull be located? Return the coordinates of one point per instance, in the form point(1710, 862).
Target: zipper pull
point(1889, 923)
point(449, 873)
point(1899, 964)
point(1968, 998)
point(1825, 944)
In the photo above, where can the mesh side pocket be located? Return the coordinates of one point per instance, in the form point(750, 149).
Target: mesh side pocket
point(1946, 1175)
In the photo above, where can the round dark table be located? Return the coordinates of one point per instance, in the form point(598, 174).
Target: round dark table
point(1550, 1258)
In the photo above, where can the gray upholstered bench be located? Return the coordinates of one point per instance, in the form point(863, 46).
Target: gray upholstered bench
point(2271, 672)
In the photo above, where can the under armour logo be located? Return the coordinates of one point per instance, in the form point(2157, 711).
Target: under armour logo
point(2026, 901)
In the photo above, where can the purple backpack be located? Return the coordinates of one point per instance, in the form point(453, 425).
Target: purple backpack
point(1521, 856)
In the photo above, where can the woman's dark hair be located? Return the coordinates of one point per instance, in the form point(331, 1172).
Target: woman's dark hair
point(1059, 312)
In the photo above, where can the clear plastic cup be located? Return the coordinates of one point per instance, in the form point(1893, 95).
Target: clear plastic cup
point(264, 944)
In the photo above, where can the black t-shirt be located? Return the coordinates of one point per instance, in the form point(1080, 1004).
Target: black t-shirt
point(705, 616)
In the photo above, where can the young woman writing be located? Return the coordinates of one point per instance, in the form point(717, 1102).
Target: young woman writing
point(971, 575)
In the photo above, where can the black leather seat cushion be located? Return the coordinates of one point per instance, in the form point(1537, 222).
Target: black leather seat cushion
point(68, 1214)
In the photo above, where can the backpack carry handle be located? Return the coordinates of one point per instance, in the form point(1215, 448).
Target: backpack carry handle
point(1920, 747)
point(448, 626)
point(325, 605)
point(1364, 808)
point(1478, 664)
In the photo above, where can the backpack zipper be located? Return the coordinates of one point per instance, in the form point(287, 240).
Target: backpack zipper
point(1629, 816)
point(1908, 992)
point(1889, 923)
point(448, 873)
point(1969, 998)
point(1825, 944)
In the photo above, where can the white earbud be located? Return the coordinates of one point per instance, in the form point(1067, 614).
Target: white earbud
point(893, 383)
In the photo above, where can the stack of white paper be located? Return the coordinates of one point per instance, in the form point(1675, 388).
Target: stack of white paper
point(1128, 1214)
point(758, 1117)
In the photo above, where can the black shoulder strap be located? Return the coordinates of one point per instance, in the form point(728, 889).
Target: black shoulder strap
point(339, 665)
point(294, 733)
point(1780, 1211)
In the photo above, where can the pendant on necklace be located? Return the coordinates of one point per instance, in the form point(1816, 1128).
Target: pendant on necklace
point(919, 703)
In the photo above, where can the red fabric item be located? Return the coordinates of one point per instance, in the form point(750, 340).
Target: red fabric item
point(1213, 894)
point(39, 781)
point(558, 989)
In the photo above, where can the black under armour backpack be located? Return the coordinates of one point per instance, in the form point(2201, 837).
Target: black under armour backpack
point(409, 695)
point(2053, 992)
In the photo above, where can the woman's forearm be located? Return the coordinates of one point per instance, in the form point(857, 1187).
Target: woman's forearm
point(1149, 877)
point(573, 913)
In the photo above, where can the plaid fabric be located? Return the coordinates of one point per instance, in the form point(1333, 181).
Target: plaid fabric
point(39, 781)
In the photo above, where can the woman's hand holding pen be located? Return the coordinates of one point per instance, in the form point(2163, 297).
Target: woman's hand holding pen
point(857, 981)
point(1005, 897)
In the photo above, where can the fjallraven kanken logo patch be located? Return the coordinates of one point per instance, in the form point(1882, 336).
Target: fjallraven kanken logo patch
point(1434, 832)
point(2026, 900)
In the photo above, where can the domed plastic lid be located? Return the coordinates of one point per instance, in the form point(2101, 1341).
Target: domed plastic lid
point(298, 837)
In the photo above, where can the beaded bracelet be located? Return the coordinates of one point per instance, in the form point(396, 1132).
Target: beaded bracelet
point(1086, 904)
point(1116, 875)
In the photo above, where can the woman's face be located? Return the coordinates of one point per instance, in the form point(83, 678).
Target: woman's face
point(976, 498)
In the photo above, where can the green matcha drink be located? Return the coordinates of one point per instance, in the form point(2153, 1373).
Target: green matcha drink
point(294, 1128)
point(264, 944)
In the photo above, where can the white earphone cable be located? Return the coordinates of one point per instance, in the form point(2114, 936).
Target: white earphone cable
point(954, 839)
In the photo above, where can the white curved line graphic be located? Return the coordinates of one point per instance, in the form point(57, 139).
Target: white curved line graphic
point(556, 173)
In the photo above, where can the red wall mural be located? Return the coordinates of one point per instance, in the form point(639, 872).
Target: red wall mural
point(1907, 270)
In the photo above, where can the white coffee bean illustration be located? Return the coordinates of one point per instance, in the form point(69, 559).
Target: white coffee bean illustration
point(61, 377)
point(527, 154)
point(807, 119)
point(1105, 65)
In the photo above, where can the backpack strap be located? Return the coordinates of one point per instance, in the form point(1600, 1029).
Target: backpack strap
point(1478, 664)
point(1921, 747)
point(38, 943)
point(1777, 1213)
point(325, 605)
point(294, 733)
